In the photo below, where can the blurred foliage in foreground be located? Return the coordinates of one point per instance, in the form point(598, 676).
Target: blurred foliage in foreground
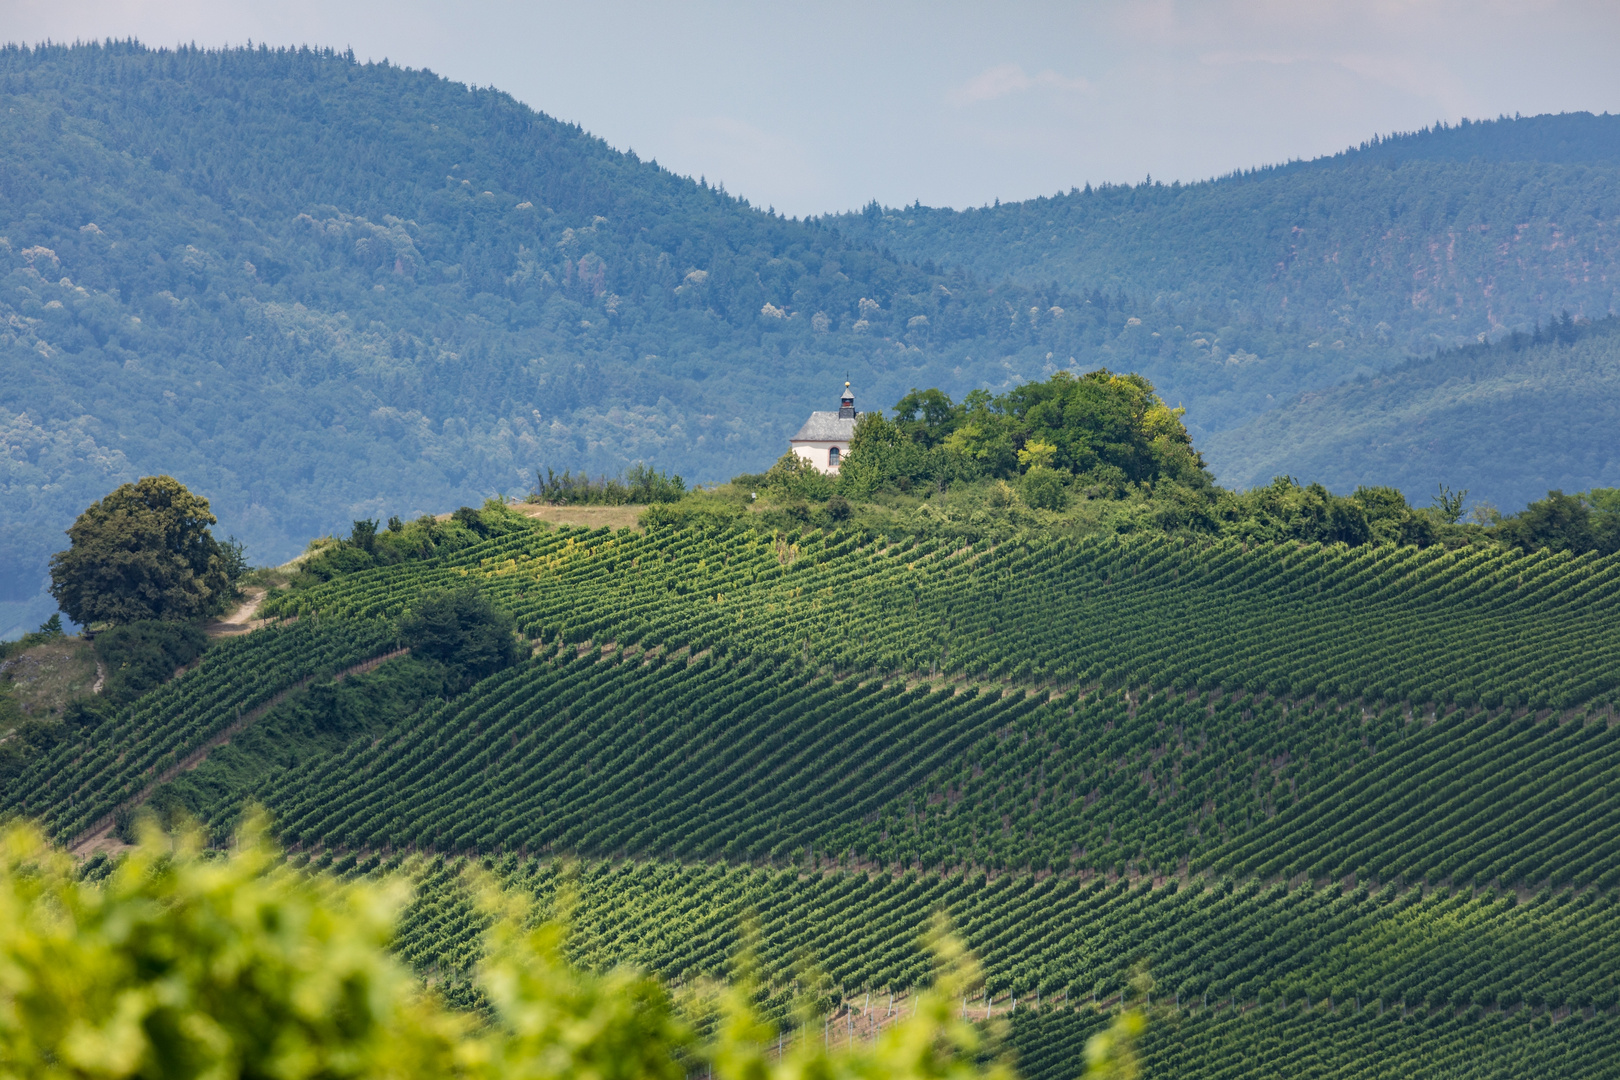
point(182, 963)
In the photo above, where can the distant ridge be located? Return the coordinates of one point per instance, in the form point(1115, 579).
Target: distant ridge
point(1572, 138)
point(1506, 421)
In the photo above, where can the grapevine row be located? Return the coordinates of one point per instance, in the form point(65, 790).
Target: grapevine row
point(91, 772)
point(1490, 626)
point(1062, 941)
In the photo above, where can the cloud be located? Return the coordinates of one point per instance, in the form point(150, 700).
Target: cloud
point(1426, 79)
point(1004, 79)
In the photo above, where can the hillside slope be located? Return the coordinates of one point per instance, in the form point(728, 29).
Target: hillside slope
point(1366, 790)
point(1507, 422)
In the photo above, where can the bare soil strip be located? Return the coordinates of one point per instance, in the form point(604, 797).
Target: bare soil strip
point(98, 837)
point(240, 621)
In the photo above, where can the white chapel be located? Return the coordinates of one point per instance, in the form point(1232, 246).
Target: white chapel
point(824, 439)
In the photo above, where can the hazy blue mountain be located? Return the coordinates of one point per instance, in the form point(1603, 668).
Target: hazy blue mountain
point(1507, 421)
point(1414, 240)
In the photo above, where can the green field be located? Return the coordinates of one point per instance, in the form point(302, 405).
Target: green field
point(1350, 808)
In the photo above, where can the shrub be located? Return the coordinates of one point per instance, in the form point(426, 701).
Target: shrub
point(1042, 488)
point(463, 631)
point(141, 655)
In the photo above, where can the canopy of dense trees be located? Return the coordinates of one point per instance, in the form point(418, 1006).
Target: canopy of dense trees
point(143, 552)
point(1107, 428)
point(1580, 523)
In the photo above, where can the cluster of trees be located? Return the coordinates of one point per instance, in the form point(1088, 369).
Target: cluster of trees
point(1110, 440)
point(640, 485)
point(1100, 429)
point(1589, 521)
point(1100, 437)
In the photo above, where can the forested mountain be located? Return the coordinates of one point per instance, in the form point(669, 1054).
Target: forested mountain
point(1416, 240)
point(1292, 278)
point(1505, 420)
point(317, 290)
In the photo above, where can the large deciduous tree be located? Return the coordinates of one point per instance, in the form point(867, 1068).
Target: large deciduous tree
point(142, 552)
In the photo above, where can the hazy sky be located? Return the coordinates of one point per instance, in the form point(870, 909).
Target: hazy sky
point(820, 106)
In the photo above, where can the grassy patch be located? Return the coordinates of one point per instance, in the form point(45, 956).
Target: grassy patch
point(43, 679)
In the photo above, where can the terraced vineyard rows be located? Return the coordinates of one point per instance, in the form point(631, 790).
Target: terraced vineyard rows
point(90, 773)
point(754, 722)
point(1424, 625)
point(633, 754)
point(1471, 798)
point(751, 760)
point(1062, 941)
point(1344, 1041)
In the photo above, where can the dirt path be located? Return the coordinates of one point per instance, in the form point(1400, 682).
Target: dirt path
point(240, 621)
point(98, 837)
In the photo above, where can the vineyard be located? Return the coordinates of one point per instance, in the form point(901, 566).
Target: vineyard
point(630, 754)
point(1352, 808)
point(98, 768)
point(1339, 1041)
point(1489, 626)
point(1061, 941)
